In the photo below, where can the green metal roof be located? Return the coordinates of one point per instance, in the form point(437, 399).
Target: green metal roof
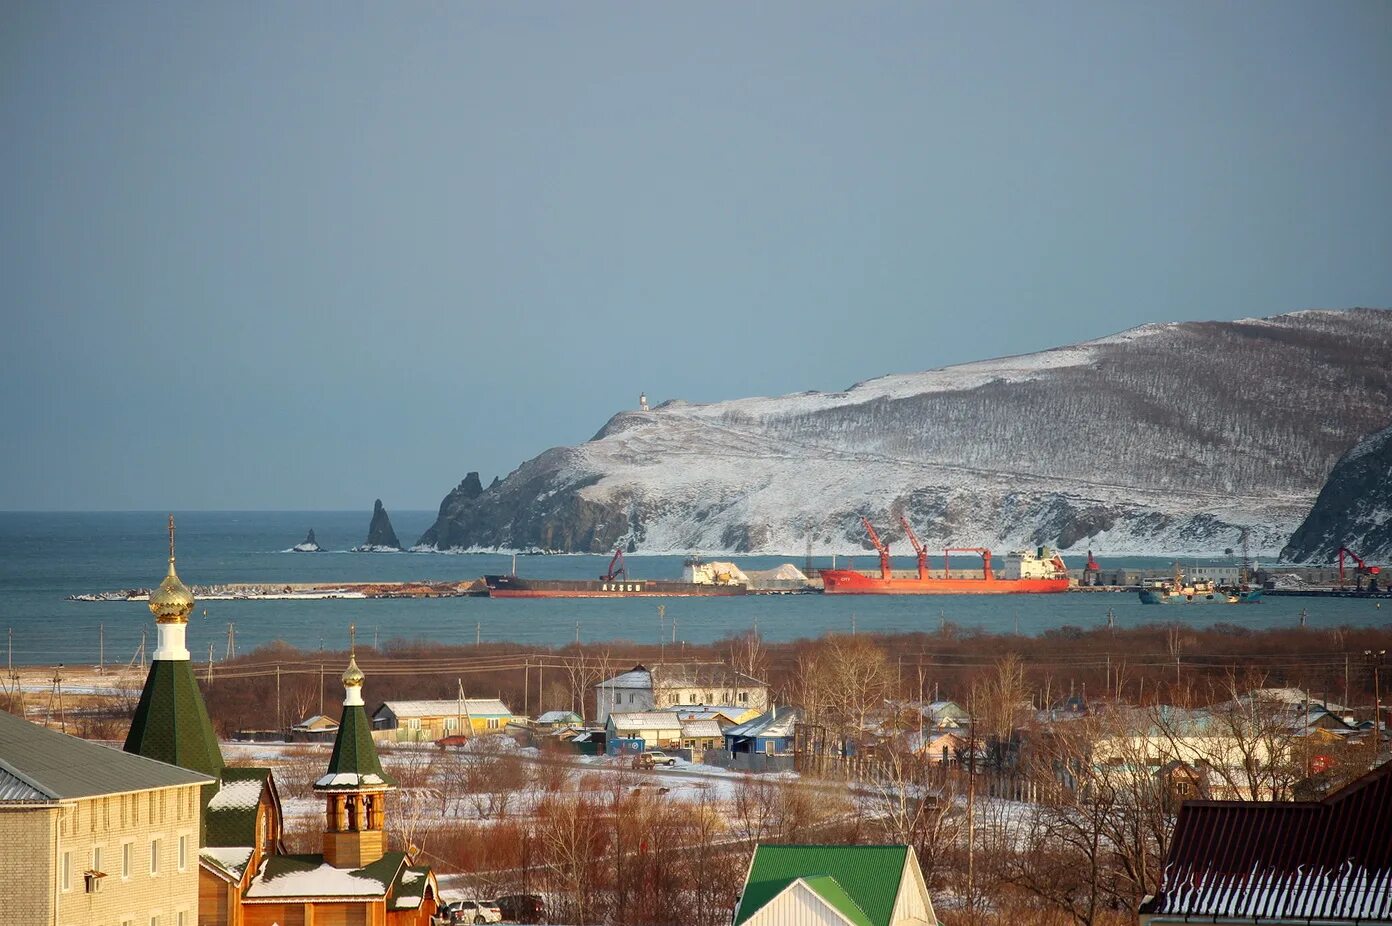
point(231, 813)
point(171, 722)
point(42, 765)
point(354, 763)
point(862, 882)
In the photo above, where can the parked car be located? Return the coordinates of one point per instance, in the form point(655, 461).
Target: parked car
point(522, 908)
point(653, 758)
point(453, 741)
point(474, 911)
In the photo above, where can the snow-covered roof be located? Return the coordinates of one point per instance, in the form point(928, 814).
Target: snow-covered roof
point(231, 859)
point(645, 720)
point(634, 678)
point(707, 712)
point(317, 722)
point(349, 780)
point(447, 707)
point(559, 717)
point(283, 876)
point(700, 729)
point(776, 723)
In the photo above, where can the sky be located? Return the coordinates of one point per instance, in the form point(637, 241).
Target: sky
point(304, 255)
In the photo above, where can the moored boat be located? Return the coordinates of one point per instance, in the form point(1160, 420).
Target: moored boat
point(1040, 571)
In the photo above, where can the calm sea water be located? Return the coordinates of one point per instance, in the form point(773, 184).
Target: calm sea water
point(45, 557)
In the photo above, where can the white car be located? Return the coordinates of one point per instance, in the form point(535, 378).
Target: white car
point(475, 911)
point(652, 758)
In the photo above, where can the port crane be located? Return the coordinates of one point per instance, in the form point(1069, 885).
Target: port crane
point(885, 568)
point(984, 553)
point(613, 572)
point(1360, 568)
point(918, 548)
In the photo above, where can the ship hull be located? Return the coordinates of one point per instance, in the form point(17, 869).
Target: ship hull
point(516, 587)
point(850, 582)
point(1160, 596)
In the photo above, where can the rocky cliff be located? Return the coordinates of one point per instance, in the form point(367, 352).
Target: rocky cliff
point(1168, 438)
point(1354, 509)
point(380, 536)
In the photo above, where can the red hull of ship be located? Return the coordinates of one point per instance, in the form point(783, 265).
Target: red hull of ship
point(850, 582)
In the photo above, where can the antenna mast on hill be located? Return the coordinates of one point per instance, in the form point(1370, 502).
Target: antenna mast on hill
point(231, 642)
point(55, 695)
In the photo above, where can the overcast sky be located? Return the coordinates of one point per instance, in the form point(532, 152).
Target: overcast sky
point(302, 255)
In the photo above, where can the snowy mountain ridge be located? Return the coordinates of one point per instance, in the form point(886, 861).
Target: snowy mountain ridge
point(1167, 438)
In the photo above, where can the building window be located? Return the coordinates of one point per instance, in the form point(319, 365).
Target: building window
point(692, 696)
point(154, 857)
point(154, 919)
point(744, 697)
point(67, 871)
point(96, 858)
point(494, 723)
point(182, 919)
point(183, 852)
point(413, 723)
point(126, 860)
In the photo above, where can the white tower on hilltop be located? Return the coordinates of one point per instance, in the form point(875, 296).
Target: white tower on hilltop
point(642, 401)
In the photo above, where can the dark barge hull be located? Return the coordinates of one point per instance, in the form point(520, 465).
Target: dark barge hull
point(517, 587)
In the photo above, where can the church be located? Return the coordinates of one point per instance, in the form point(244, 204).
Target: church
point(245, 877)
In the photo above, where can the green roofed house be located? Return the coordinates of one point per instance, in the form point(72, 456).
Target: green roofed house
point(834, 886)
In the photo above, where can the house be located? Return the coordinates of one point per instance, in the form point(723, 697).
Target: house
point(559, 720)
point(92, 834)
point(939, 747)
point(834, 885)
point(317, 728)
point(634, 731)
point(700, 735)
point(428, 721)
point(669, 684)
point(1273, 862)
point(771, 733)
point(243, 876)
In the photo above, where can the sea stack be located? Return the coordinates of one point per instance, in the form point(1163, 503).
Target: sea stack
point(380, 536)
point(309, 545)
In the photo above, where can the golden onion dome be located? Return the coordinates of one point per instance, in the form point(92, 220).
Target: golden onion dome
point(172, 601)
point(352, 676)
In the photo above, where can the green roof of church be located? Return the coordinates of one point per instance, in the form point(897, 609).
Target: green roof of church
point(354, 763)
point(171, 722)
point(861, 882)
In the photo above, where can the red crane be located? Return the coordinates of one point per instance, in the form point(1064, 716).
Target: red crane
point(986, 572)
point(885, 569)
point(618, 561)
point(918, 548)
point(1360, 568)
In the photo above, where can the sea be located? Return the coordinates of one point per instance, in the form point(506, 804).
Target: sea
point(47, 556)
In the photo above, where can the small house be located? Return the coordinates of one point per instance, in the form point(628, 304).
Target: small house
point(771, 733)
point(834, 885)
point(638, 730)
point(428, 721)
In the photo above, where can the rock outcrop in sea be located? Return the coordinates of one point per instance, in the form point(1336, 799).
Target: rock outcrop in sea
point(1164, 439)
point(380, 536)
point(1354, 509)
point(308, 545)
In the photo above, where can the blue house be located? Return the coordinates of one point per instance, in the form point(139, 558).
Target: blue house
point(771, 733)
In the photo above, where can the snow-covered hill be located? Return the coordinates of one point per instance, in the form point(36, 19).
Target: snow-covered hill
point(1163, 439)
point(1354, 509)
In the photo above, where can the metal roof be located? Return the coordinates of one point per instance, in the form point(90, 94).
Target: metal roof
point(860, 882)
point(645, 720)
point(777, 722)
point(447, 707)
point(38, 764)
point(693, 729)
point(1328, 860)
point(710, 675)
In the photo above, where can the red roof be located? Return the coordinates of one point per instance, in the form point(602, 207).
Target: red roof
point(1329, 859)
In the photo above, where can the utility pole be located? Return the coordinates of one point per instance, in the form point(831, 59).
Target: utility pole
point(526, 685)
point(321, 689)
point(577, 633)
point(210, 664)
point(1111, 619)
point(478, 634)
point(278, 696)
point(231, 642)
point(1302, 618)
point(101, 649)
point(971, 803)
point(1375, 657)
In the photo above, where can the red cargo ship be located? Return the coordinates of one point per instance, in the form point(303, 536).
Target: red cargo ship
point(1039, 571)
